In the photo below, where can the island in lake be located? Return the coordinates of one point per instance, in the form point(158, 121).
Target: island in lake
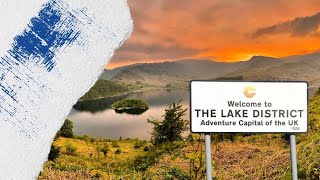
point(130, 106)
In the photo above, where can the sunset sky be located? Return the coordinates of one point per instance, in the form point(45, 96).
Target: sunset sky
point(220, 30)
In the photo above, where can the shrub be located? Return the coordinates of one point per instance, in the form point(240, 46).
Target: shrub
point(70, 149)
point(54, 153)
point(66, 129)
point(147, 147)
point(175, 173)
point(118, 151)
point(138, 144)
point(86, 138)
point(190, 138)
point(317, 92)
point(105, 149)
point(115, 144)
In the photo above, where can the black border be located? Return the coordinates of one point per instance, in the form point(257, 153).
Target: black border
point(190, 106)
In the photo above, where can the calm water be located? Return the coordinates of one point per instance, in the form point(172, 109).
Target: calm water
point(95, 118)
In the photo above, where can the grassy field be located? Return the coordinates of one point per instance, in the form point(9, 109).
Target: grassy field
point(235, 156)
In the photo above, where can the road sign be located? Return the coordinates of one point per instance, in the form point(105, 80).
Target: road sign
point(249, 107)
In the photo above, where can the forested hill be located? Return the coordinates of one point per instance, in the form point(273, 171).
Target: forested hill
point(104, 88)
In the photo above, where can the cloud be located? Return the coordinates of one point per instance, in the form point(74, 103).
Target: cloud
point(301, 26)
point(130, 51)
point(219, 29)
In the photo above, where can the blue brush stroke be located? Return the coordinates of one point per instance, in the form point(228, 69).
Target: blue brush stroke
point(54, 28)
point(45, 34)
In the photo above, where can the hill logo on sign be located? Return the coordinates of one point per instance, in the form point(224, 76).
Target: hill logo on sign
point(249, 91)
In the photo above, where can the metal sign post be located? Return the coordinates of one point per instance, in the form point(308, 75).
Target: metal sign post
point(293, 153)
point(208, 157)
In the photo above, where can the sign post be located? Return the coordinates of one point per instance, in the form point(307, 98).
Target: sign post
point(208, 157)
point(293, 154)
point(249, 107)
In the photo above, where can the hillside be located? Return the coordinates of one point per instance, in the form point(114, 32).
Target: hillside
point(110, 73)
point(104, 88)
point(177, 73)
point(292, 68)
point(235, 156)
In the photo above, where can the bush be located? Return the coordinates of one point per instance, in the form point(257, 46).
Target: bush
point(118, 151)
point(138, 144)
point(105, 149)
point(86, 138)
point(70, 149)
point(175, 173)
point(190, 138)
point(115, 144)
point(66, 129)
point(147, 147)
point(54, 153)
point(141, 163)
point(317, 92)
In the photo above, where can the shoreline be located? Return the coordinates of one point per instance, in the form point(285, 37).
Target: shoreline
point(134, 91)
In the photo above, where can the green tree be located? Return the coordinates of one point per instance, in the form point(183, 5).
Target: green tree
point(66, 129)
point(171, 128)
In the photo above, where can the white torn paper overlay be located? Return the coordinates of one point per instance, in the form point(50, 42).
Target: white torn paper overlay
point(51, 53)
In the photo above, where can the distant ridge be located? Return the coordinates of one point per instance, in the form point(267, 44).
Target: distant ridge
point(174, 72)
point(180, 72)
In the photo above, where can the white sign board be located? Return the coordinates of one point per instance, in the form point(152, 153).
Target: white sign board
point(249, 107)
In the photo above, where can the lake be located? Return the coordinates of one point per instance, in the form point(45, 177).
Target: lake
point(96, 119)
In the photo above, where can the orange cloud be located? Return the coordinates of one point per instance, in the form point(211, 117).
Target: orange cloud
point(222, 30)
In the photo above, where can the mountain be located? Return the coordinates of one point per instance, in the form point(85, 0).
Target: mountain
point(312, 56)
point(104, 88)
point(110, 73)
point(293, 68)
point(177, 73)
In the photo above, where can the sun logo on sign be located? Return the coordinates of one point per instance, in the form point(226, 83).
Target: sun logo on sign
point(249, 91)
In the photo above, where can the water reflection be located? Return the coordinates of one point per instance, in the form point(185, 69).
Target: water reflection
point(135, 111)
point(94, 106)
point(96, 118)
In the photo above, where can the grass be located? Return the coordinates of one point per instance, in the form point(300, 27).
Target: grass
point(87, 162)
point(264, 156)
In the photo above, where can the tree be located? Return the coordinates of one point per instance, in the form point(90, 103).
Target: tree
point(66, 129)
point(171, 128)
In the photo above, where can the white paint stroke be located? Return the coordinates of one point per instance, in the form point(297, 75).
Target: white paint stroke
point(34, 101)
